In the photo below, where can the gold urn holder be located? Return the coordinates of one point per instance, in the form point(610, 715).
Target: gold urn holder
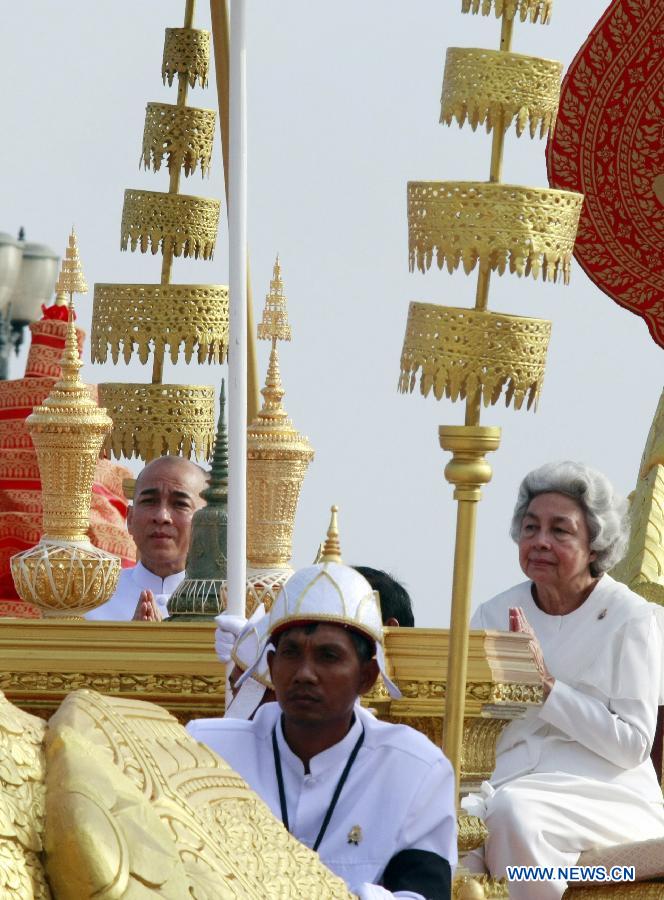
point(478, 355)
point(64, 575)
point(278, 457)
point(167, 319)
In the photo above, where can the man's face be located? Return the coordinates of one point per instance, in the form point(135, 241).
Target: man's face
point(317, 677)
point(166, 497)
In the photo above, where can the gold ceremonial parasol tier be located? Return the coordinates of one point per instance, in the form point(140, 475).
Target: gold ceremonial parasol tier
point(182, 134)
point(460, 352)
point(150, 420)
point(493, 87)
point(503, 226)
point(186, 53)
point(132, 318)
point(534, 10)
point(177, 223)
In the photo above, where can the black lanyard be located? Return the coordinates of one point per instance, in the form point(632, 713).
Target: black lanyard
point(337, 790)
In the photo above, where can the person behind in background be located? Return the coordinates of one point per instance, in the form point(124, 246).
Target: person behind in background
point(166, 495)
point(395, 604)
point(575, 773)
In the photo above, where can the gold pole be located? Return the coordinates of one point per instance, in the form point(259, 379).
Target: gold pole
point(221, 42)
point(473, 403)
point(173, 188)
point(468, 470)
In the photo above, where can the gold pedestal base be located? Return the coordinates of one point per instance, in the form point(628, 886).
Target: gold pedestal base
point(65, 580)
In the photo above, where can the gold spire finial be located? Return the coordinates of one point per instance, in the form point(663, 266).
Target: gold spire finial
point(72, 279)
point(332, 549)
point(275, 325)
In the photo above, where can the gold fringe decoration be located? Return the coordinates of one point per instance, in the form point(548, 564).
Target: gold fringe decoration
point(186, 52)
point(528, 230)
point(182, 134)
point(535, 10)
point(179, 223)
point(139, 318)
point(151, 420)
point(493, 87)
point(459, 351)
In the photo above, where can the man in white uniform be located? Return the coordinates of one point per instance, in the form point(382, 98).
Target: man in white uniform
point(166, 496)
point(375, 800)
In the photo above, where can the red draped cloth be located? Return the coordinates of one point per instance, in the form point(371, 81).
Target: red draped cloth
point(609, 145)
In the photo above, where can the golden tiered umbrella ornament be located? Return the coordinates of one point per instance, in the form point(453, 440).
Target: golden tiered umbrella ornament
point(64, 575)
point(477, 354)
point(153, 419)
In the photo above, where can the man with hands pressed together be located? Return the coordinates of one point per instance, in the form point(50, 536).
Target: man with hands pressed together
point(166, 496)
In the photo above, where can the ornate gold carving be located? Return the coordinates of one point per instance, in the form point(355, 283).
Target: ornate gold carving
point(495, 87)
point(186, 52)
point(152, 419)
point(642, 567)
point(528, 230)
point(71, 279)
point(132, 318)
point(177, 223)
point(525, 9)
point(263, 586)
point(64, 574)
point(65, 579)
point(170, 817)
point(478, 755)
point(21, 804)
point(278, 456)
point(460, 351)
point(478, 887)
point(471, 833)
point(640, 890)
point(152, 683)
point(182, 134)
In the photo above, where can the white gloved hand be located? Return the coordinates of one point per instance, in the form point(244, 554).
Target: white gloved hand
point(228, 630)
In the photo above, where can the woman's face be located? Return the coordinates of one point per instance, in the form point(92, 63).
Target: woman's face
point(554, 542)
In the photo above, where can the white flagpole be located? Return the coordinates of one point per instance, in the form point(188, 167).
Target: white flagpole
point(237, 357)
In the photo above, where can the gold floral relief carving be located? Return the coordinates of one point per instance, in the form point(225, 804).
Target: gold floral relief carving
point(21, 804)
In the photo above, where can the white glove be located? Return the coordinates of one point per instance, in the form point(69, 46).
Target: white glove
point(228, 631)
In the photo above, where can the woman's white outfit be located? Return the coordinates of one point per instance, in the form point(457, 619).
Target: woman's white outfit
point(576, 773)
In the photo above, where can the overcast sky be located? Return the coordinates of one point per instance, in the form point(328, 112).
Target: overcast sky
point(343, 111)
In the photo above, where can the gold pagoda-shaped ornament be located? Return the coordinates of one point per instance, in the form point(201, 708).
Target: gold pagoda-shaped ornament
point(153, 419)
point(476, 354)
point(64, 575)
point(277, 460)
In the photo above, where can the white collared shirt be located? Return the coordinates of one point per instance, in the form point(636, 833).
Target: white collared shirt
point(122, 605)
point(399, 794)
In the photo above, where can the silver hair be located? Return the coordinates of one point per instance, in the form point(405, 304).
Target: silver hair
point(606, 513)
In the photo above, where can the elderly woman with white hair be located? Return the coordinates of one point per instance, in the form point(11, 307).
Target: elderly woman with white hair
point(575, 773)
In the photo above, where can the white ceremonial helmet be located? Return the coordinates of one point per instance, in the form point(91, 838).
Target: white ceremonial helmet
point(329, 592)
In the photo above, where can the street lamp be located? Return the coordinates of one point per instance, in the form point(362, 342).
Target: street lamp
point(28, 273)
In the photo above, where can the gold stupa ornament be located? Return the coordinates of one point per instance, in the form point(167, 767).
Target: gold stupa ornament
point(277, 460)
point(476, 354)
point(152, 419)
point(64, 575)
